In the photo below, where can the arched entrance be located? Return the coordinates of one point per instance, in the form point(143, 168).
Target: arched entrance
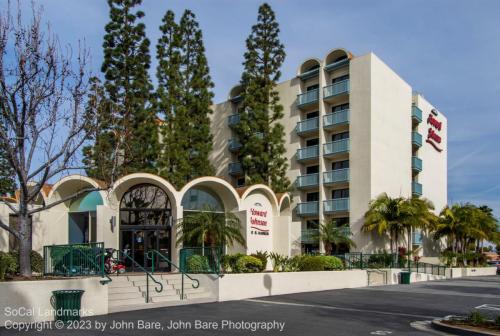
point(145, 225)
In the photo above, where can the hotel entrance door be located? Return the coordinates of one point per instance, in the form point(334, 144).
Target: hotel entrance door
point(138, 243)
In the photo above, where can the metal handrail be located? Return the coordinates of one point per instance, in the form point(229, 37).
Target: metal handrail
point(148, 275)
point(153, 252)
point(103, 272)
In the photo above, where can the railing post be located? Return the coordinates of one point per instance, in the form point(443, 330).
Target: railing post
point(70, 260)
point(152, 262)
point(182, 288)
point(147, 288)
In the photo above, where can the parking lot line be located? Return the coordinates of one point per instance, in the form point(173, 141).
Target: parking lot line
point(341, 308)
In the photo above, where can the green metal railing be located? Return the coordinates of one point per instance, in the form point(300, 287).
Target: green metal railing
point(200, 260)
point(421, 267)
point(336, 118)
point(309, 180)
point(358, 260)
point(335, 147)
point(307, 208)
point(75, 260)
point(122, 256)
point(153, 254)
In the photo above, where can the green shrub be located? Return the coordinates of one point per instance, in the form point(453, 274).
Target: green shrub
point(248, 264)
point(381, 259)
point(197, 264)
point(7, 265)
point(331, 263)
point(476, 319)
point(278, 261)
point(262, 256)
point(36, 261)
point(228, 262)
point(292, 264)
point(311, 263)
point(497, 321)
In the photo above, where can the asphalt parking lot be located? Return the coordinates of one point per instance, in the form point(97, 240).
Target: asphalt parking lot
point(384, 310)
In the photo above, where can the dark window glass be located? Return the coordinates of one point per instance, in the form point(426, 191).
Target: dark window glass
point(312, 87)
point(240, 182)
point(338, 59)
point(199, 199)
point(340, 107)
point(312, 224)
point(339, 79)
point(312, 197)
point(342, 221)
point(312, 170)
point(146, 205)
point(315, 66)
point(340, 136)
point(340, 164)
point(312, 142)
point(340, 193)
point(311, 115)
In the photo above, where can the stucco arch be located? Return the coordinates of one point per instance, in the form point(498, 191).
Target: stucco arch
point(72, 184)
point(285, 204)
point(307, 64)
point(335, 53)
point(235, 91)
point(221, 187)
point(268, 192)
point(125, 183)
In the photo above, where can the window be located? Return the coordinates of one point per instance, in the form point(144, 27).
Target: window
point(312, 87)
point(312, 224)
point(312, 169)
point(340, 107)
point(340, 136)
point(340, 193)
point(311, 115)
point(312, 197)
point(199, 199)
point(312, 142)
point(340, 79)
point(240, 182)
point(340, 165)
point(145, 205)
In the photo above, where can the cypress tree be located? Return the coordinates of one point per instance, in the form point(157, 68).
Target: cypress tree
point(259, 130)
point(7, 173)
point(185, 99)
point(127, 88)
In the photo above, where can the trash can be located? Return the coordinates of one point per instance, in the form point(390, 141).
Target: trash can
point(405, 278)
point(67, 304)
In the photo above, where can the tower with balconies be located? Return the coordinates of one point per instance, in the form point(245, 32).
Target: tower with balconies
point(354, 129)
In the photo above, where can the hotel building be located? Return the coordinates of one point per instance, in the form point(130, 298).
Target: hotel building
point(354, 129)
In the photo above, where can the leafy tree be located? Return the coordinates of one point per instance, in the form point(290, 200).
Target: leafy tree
point(127, 88)
point(334, 236)
point(208, 227)
point(262, 154)
point(185, 99)
point(384, 216)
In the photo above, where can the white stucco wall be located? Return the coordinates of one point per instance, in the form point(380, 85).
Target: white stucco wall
point(36, 295)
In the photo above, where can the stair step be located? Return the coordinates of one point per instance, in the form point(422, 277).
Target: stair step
point(123, 296)
point(121, 290)
point(126, 302)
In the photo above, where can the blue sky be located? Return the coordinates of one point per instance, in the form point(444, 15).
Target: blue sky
point(447, 49)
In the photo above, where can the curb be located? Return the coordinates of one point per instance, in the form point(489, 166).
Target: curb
point(455, 330)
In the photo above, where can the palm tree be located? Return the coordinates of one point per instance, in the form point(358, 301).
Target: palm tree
point(332, 235)
point(417, 214)
point(210, 227)
point(384, 216)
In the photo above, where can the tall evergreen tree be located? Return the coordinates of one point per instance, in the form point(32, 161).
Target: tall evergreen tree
point(185, 99)
point(127, 89)
point(7, 173)
point(259, 130)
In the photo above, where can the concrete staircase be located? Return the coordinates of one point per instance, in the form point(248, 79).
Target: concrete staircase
point(128, 292)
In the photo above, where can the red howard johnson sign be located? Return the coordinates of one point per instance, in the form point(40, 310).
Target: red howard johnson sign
point(433, 137)
point(259, 222)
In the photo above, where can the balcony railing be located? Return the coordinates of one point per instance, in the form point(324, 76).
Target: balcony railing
point(336, 205)
point(417, 237)
point(416, 188)
point(336, 118)
point(308, 209)
point(336, 176)
point(416, 139)
point(307, 126)
point(234, 145)
point(236, 99)
point(336, 89)
point(416, 163)
point(307, 153)
point(416, 113)
point(309, 74)
point(335, 147)
point(336, 65)
point(308, 97)
point(233, 120)
point(307, 181)
point(309, 236)
point(235, 168)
